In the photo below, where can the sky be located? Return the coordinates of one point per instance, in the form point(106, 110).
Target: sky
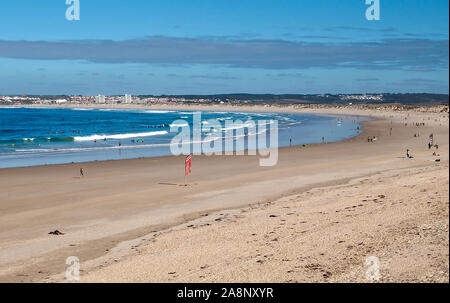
point(223, 46)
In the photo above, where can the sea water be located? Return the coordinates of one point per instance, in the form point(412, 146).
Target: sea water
point(39, 136)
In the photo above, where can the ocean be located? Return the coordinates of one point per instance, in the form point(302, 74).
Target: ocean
point(40, 136)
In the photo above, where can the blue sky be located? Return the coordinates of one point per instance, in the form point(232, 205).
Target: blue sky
point(223, 46)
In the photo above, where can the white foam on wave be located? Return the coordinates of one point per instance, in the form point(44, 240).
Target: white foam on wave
point(121, 136)
point(223, 119)
point(178, 124)
point(112, 110)
point(210, 137)
point(81, 109)
point(248, 124)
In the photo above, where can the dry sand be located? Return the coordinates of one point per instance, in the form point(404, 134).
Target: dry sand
point(315, 216)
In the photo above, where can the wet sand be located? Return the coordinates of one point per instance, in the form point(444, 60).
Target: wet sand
point(133, 220)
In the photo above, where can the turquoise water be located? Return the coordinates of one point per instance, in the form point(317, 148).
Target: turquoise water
point(38, 136)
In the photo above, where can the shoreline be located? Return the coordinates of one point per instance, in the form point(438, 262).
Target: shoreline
point(258, 109)
point(251, 188)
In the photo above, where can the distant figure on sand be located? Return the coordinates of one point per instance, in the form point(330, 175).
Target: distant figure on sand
point(323, 139)
point(56, 233)
point(408, 154)
point(81, 172)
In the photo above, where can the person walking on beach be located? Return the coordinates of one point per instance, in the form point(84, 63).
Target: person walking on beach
point(81, 172)
point(323, 139)
point(408, 154)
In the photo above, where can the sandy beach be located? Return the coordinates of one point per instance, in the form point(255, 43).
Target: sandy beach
point(315, 216)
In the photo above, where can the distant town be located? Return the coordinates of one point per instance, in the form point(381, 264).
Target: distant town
point(412, 99)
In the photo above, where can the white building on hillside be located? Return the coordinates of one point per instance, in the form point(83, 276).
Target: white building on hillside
point(126, 99)
point(100, 99)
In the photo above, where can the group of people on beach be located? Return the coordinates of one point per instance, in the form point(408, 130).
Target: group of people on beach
point(371, 139)
point(430, 145)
